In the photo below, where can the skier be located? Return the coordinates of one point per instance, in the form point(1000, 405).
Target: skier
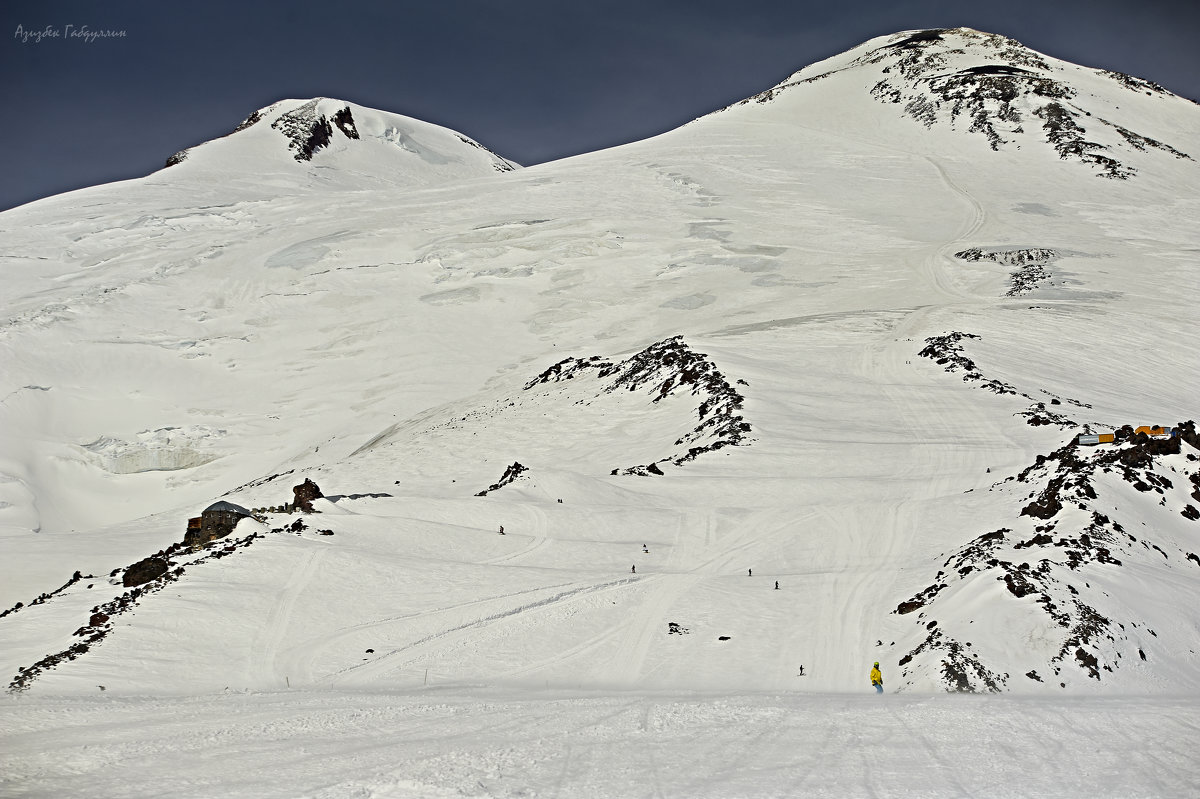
point(776, 585)
point(877, 678)
point(633, 569)
point(749, 572)
point(502, 529)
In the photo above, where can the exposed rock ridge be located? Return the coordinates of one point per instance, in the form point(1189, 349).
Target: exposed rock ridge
point(308, 131)
point(1067, 534)
point(1015, 89)
point(499, 162)
point(947, 351)
point(511, 474)
point(249, 121)
point(663, 369)
point(1031, 265)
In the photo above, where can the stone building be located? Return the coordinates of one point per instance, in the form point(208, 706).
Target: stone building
point(217, 521)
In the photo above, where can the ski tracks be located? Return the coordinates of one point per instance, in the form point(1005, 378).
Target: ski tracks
point(267, 654)
point(405, 655)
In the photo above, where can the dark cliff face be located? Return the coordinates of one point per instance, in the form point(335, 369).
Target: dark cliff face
point(308, 131)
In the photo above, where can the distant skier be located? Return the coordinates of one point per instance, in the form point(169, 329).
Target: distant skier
point(776, 585)
point(749, 572)
point(502, 529)
point(877, 678)
point(633, 569)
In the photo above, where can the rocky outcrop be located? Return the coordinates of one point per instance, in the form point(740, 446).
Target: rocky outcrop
point(1065, 532)
point(308, 131)
point(144, 571)
point(948, 352)
point(1031, 265)
point(510, 474)
point(100, 620)
point(992, 86)
point(664, 369)
point(304, 494)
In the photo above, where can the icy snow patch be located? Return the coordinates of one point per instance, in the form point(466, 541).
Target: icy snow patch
point(163, 450)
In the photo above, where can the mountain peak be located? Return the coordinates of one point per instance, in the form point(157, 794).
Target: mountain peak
point(366, 145)
point(988, 85)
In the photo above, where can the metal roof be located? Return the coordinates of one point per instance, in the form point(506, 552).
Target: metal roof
point(227, 506)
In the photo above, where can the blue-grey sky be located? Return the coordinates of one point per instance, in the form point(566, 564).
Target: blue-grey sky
point(534, 80)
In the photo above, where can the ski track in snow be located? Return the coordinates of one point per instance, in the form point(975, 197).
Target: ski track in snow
point(279, 620)
point(412, 652)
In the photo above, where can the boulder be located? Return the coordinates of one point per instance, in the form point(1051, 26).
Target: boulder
point(144, 571)
point(304, 494)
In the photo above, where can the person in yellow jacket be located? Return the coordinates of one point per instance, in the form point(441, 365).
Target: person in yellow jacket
point(877, 679)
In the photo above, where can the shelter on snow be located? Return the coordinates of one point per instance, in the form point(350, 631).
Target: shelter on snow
point(216, 521)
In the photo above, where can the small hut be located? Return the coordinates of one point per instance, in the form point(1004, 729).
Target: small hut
point(1154, 431)
point(216, 521)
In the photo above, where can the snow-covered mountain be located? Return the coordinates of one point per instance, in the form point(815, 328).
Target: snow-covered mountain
point(1011, 96)
point(332, 143)
point(797, 384)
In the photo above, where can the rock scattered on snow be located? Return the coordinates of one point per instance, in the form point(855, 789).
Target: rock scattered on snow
point(664, 369)
point(1066, 528)
point(947, 351)
point(1031, 265)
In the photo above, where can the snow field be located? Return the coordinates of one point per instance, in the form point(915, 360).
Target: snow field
point(465, 741)
point(379, 342)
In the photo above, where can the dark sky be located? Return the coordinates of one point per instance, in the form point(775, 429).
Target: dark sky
point(534, 80)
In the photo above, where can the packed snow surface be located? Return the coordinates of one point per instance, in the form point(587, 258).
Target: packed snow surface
point(633, 464)
point(464, 741)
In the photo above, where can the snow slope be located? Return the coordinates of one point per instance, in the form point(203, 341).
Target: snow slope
point(826, 339)
point(480, 743)
point(326, 143)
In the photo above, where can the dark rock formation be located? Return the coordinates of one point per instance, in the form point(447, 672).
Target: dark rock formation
point(304, 494)
point(1003, 100)
point(664, 369)
point(344, 121)
point(144, 571)
point(1066, 539)
point(100, 619)
point(1031, 265)
point(947, 351)
point(510, 474)
point(307, 131)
